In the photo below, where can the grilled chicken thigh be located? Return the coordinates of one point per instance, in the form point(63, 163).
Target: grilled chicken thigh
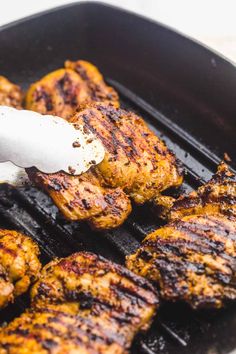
point(19, 265)
point(60, 92)
point(193, 258)
point(84, 198)
point(137, 164)
point(55, 331)
point(10, 94)
point(82, 304)
point(216, 196)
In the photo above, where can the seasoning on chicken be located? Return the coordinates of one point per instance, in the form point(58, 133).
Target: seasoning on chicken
point(10, 94)
point(19, 265)
point(193, 258)
point(62, 91)
point(82, 304)
point(136, 164)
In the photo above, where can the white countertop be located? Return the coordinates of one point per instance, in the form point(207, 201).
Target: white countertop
point(210, 21)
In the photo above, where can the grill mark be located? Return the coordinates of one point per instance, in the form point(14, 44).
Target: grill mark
point(93, 130)
point(45, 327)
point(175, 271)
point(41, 94)
point(186, 202)
point(227, 199)
point(113, 132)
point(206, 245)
point(116, 141)
point(8, 250)
point(220, 228)
point(91, 325)
point(82, 72)
point(70, 329)
point(229, 227)
point(146, 144)
point(132, 312)
point(103, 336)
point(68, 94)
point(132, 136)
point(98, 90)
point(163, 247)
point(88, 301)
point(132, 291)
point(200, 240)
point(204, 198)
point(139, 281)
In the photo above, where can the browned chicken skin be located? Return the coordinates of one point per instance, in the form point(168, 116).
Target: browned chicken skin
point(82, 304)
point(19, 265)
point(137, 164)
point(193, 258)
point(10, 94)
point(62, 91)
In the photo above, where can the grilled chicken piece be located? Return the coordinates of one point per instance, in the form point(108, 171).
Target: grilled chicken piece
point(84, 198)
point(82, 304)
point(193, 258)
point(10, 94)
point(61, 91)
point(55, 331)
point(136, 161)
point(100, 289)
point(216, 196)
point(19, 265)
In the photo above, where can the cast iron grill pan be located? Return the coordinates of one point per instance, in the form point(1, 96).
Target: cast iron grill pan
point(186, 99)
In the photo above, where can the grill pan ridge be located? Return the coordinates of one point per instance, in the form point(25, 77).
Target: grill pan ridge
point(187, 99)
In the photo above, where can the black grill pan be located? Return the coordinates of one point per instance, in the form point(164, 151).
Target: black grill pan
point(185, 92)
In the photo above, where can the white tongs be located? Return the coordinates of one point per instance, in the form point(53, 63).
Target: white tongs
point(49, 143)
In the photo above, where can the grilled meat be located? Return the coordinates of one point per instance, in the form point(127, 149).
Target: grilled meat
point(193, 258)
point(19, 265)
point(216, 196)
point(101, 289)
point(10, 94)
point(84, 198)
point(82, 304)
point(136, 162)
point(61, 91)
point(55, 331)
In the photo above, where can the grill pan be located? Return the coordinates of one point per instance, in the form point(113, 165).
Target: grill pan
point(183, 90)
